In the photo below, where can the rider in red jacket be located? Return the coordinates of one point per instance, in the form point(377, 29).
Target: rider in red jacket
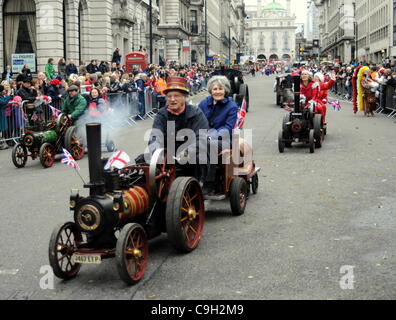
point(311, 91)
point(324, 91)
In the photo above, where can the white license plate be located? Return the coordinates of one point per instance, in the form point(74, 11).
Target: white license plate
point(87, 258)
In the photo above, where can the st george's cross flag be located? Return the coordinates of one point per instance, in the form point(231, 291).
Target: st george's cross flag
point(118, 160)
point(68, 160)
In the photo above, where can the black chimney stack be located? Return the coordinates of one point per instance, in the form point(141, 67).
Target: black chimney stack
point(94, 140)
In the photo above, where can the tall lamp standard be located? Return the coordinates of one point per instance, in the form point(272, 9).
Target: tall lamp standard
point(206, 30)
point(151, 29)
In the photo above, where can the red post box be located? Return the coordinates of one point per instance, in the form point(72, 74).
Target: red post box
point(136, 59)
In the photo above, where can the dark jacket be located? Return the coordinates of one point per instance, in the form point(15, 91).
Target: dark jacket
point(116, 57)
point(92, 68)
point(54, 93)
point(27, 94)
point(104, 68)
point(27, 73)
point(193, 118)
point(5, 75)
point(4, 100)
point(71, 69)
point(222, 116)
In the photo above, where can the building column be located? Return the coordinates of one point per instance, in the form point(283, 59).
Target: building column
point(100, 45)
point(49, 21)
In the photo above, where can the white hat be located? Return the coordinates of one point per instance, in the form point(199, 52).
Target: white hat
point(320, 76)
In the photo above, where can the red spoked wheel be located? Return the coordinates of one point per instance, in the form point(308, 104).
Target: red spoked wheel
point(19, 156)
point(74, 143)
point(132, 253)
point(185, 214)
point(47, 155)
point(161, 176)
point(65, 240)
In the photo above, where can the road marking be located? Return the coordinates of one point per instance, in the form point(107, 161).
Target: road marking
point(11, 272)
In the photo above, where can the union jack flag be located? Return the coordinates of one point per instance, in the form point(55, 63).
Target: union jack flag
point(68, 160)
point(241, 115)
point(336, 105)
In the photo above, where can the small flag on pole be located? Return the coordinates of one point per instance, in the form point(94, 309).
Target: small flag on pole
point(241, 115)
point(336, 105)
point(34, 117)
point(55, 112)
point(118, 160)
point(68, 160)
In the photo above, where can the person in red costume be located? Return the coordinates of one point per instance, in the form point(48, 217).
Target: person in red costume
point(311, 91)
point(324, 90)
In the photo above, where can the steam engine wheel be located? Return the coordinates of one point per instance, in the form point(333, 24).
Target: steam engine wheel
point(74, 144)
point(65, 240)
point(47, 155)
point(185, 214)
point(161, 175)
point(19, 156)
point(132, 253)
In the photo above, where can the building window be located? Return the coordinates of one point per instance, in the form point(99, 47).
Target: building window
point(19, 33)
point(194, 21)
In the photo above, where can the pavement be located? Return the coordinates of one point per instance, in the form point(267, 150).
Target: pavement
point(322, 225)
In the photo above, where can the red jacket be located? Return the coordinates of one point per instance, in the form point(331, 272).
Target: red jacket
point(324, 90)
point(311, 91)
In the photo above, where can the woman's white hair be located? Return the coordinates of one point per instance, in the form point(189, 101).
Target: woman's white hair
point(220, 81)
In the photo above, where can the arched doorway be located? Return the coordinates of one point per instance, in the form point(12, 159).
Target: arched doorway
point(261, 57)
point(286, 57)
point(274, 57)
point(194, 58)
point(19, 29)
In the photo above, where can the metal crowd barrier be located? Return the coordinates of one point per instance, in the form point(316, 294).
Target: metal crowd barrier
point(16, 121)
point(150, 100)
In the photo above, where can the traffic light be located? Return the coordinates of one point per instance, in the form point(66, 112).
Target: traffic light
point(301, 49)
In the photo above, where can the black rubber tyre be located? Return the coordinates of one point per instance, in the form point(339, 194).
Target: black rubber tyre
point(281, 143)
point(64, 241)
point(311, 141)
point(132, 253)
point(74, 144)
point(19, 156)
point(255, 183)
point(278, 100)
point(47, 155)
point(247, 97)
point(185, 214)
point(238, 196)
point(285, 129)
point(318, 131)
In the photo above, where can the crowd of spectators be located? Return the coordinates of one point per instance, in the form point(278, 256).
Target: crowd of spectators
point(109, 78)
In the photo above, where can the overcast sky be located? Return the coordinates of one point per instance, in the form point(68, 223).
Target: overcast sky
point(299, 7)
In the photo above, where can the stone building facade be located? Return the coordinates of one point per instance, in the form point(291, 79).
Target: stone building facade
point(74, 29)
point(337, 29)
point(270, 31)
point(374, 21)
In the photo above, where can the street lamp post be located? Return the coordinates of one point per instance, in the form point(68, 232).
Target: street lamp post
point(229, 46)
point(206, 30)
point(151, 30)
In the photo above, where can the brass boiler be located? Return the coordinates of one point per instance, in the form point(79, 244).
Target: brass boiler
point(136, 201)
